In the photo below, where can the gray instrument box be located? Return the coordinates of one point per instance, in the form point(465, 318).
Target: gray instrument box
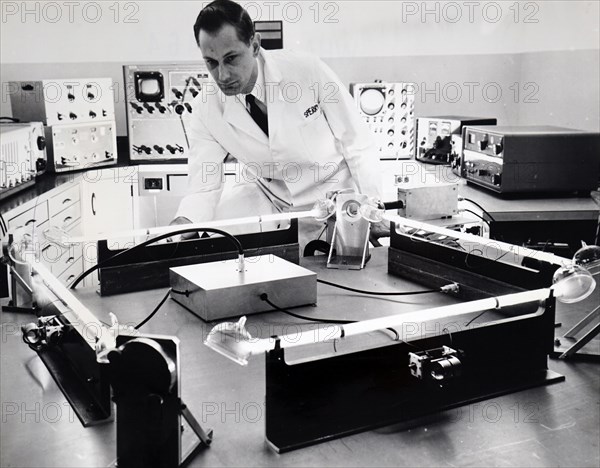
point(218, 290)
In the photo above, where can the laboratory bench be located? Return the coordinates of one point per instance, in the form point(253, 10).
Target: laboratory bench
point(553, 425)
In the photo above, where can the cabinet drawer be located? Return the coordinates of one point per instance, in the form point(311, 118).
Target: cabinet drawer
point(67, 217)
point(57, 259)
point(63, 200)
point(72, 272)
point(33, 216)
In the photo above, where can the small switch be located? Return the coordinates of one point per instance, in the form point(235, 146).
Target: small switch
point(153, 184)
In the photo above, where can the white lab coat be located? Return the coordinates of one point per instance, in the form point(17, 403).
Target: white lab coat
point(317, 143)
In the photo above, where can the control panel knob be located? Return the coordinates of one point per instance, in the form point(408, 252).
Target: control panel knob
point(483, 144)
point(41, 143)
point(498, 148)
point(159, 149)
point(149, 108)
point(92, 114)
point(72, 116)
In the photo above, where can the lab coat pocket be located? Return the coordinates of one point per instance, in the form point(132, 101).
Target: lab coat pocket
point(319, 141)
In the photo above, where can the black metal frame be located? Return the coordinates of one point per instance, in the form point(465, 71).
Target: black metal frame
point(149, 415)
point(436, 265)
point(82, 380)
point(149, 268)
point(316, 401)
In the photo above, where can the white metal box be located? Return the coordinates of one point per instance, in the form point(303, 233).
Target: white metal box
point(22, 155)
point(425, 202)
point(389, 111)
point(81, 146)
point(61, 101)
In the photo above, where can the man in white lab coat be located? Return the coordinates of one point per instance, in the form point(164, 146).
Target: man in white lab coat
point(284, 116)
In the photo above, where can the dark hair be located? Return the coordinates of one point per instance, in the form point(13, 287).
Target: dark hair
point(220, 12)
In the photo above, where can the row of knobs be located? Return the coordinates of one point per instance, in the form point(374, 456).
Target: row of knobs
point(95, 156)
point(485, 143)
point(177, 107)
point(159, 149)
point(73, 115)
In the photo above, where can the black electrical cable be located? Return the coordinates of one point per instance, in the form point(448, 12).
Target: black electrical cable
point(478, 215)
point(182, 100)
point(90, 270)
point(376, 293)
point(480, 207)
point(153, 313)
point(265, 297)
point(475, 318)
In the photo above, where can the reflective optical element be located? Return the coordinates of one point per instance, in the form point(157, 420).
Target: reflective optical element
point(57, 236)
point(372, 211)
point(588, 256)
point(323, 209)
point(572, 284)
point(232, 340)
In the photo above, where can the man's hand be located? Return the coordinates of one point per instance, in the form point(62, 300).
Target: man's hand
point(189, 235)
point(381, 229)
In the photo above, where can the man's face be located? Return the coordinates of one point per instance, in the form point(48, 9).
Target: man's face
point(231, 62)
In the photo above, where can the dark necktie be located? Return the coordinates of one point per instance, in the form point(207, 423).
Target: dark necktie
point(257, 114)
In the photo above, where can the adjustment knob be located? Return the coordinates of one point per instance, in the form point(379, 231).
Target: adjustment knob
point(41, 143)
point(483, 144)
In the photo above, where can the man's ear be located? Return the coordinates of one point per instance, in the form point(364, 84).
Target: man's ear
point(256, 44)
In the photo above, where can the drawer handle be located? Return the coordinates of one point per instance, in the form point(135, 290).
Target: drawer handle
point(66, 200)
point(46, 248)
point(67, 219)
point(70, 278)
point(70, 260)
point(29, 222)
point(93, 207)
